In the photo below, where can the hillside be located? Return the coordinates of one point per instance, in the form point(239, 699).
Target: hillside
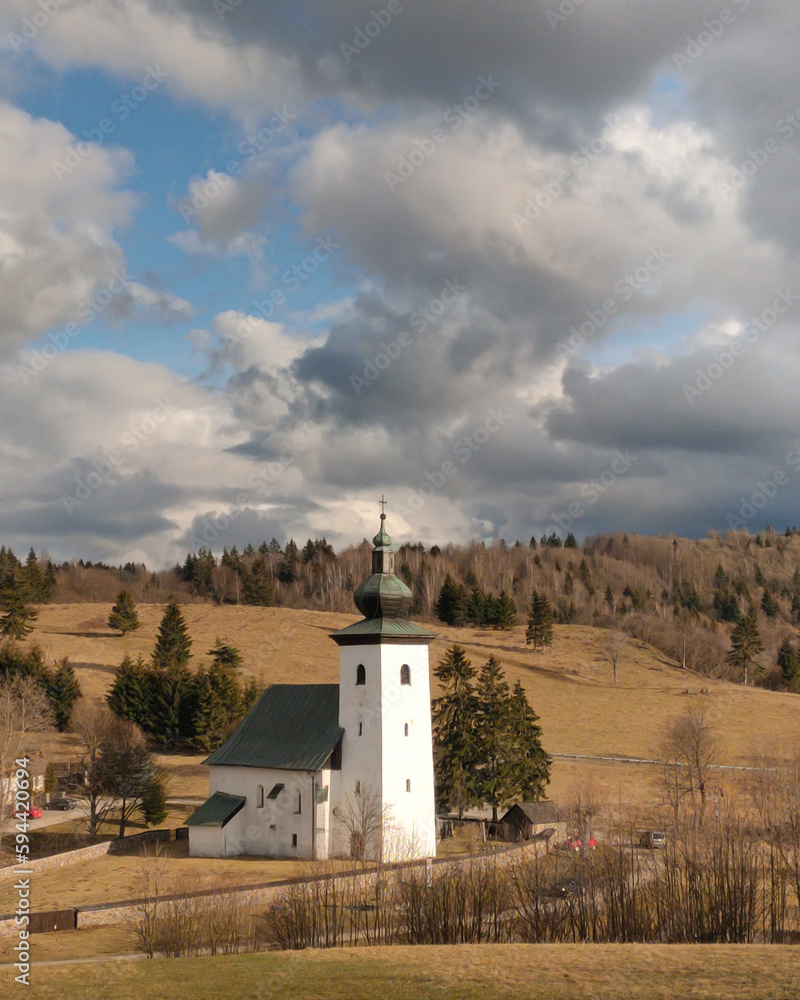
point(569, 684)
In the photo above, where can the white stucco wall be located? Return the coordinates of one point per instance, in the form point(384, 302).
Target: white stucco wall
point(267, 830)
point(382, 759)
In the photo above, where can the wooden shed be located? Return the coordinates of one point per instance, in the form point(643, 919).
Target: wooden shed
point(534, 821)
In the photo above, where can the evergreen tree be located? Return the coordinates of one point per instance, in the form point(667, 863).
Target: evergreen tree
point(154, 800)
point(219, 697)
point(745, 645)
point(123, 615)
point(492, 698)
point(769, 605)
point(610, 600)
point(452, 601)
point(503, 613)
point(258, 589)
point(13, 599)
point(570, 542)
point(132, 693)
point(540, 622)
point(289, 570)
point(63, 691)
point(173, 642)
point(529, 766)
point(789, 662)
point(454, 715)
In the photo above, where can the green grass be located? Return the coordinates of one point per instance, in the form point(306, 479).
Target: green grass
point(491, 972)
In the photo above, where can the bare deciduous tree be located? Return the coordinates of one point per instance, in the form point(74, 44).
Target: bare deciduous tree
point(24, 711)
point(92, 722)
point(612, 647)
point(690, 748)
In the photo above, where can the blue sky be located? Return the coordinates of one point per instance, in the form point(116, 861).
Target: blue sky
point(436, 275)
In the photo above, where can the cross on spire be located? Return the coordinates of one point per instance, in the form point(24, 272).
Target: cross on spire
point(383, 502)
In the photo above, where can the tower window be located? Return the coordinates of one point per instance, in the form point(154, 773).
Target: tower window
point(358, 788)
point(299, 806)
point(260, 797)
point(361, 729)
point(405, 674)
point(406, 730)
point(294, 840)
point(408, 784)
point(361, 674)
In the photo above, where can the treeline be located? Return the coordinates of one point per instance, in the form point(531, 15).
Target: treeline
point(683, 596)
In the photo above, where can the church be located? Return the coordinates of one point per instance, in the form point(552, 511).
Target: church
point(343, 770)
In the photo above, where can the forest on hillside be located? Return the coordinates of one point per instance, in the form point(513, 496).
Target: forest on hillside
point(685, 597)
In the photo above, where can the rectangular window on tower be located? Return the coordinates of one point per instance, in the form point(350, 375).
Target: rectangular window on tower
point(361, 729)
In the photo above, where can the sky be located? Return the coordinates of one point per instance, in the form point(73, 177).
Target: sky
point(521, 267)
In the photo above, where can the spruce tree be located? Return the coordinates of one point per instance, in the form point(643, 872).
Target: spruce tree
point(132, 693)
point(769, 605)
point(455, 714)
point(63, 690)
point(504, 613)
point(540, 622)
point(258, 589)
point(14, 596)
point(219, 697)
point(492, 730)
point(789, 662)
point(173, 643)
point(123, 615)
point(154, 800)
point(529, 766)
point(745, 644)
point(451, 606)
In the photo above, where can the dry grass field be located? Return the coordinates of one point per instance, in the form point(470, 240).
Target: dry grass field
point(491, 972)
point(569, 685)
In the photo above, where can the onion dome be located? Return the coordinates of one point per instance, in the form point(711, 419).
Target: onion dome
point(383, 595)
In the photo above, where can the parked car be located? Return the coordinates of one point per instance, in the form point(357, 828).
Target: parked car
point(63, 804)
point(30, 812)
point(653, 839)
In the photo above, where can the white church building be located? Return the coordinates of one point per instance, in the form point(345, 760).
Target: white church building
point(335, 770)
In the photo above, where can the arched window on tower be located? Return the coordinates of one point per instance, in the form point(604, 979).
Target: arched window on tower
point(260, 797)
point(405, 674)
point(408, 784)
point(406, 732)
point(361, 674)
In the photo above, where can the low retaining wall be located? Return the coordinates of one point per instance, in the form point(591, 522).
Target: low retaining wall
point(65, 858)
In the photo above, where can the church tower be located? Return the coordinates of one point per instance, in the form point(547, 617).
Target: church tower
point(386, 780)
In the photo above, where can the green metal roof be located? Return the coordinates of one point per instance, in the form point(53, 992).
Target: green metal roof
point(216, 811)
point(383, 628)
point(294, 727)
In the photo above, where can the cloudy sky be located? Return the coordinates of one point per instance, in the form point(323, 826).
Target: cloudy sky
point(523, 267)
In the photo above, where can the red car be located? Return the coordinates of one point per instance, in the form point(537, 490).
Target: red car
point(29, 812)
